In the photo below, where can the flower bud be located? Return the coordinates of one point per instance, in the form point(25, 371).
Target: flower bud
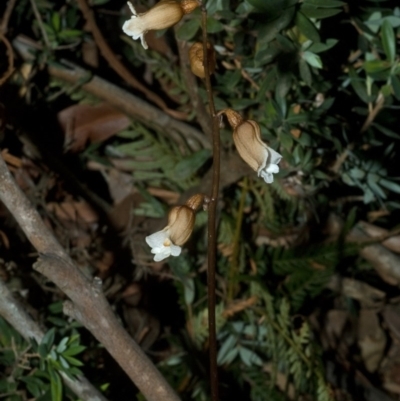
point(180, 222)
point(196, 57)
point(195, 202)
point(247, 138)
point(164, 14)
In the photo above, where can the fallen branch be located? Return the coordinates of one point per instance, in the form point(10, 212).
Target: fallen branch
point(15, 314)
point(88, 303)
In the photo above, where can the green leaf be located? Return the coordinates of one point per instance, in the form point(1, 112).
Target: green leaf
point(324, 3)
point(62, 346)
point(56, 21)
point(396, 86)
point(189, 287)
point(390, 185)
point(55, 385)
point(189, 165)
point(213, 25)
point(270, 29)
point(77, 349)
point(48, 339)
point(306, 27)
point(322, 47)
point(388, 40)
point(305, 72)
point(188, 29)
point(73, 361)
point(224, 354)
point(358, 85)
point(312, 59)
point(249, 357)
point(319, 13)
point(386, 131)
point(375, 66)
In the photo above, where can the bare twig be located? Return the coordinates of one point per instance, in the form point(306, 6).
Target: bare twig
point(380, 101)
point(10, 56)
point(6, 16)
point(118, 67)
point(88, 302)
point(15, 314)
point(40, 22)
point(212, 217)
point(135, 107)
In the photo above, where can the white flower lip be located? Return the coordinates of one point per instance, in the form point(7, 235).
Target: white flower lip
point(254, 151)
point(162, 246)
point(270, 165)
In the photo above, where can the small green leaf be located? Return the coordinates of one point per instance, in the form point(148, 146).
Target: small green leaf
point(213, 25)
point(73, 361)
point(390, 185)
point(322, 47)
point(75, 350)
point(62, 346)
point(56, 21)
point(324, 3)
point(312, 59)
point(189, 287)
point(48, 340)
point(188, 29)
point(306, 27)
point(189, 165)
point(305, 72)
point(55, 384)
point(319, 13)
point(249, 357)
point(396, 86)
point(358, 85)
point(388, 40)
point(386, 131)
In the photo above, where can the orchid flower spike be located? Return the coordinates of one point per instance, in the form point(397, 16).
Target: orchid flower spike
point(181, 220)
point(164, 14)
point(247, 138)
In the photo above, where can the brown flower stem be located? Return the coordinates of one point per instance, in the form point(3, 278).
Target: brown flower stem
point(212, 221)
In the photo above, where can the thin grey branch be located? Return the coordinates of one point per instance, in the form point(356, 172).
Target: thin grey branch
point(12, 310)
point(97, 315)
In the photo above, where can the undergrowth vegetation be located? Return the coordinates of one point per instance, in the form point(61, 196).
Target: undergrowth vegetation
point(322, 79)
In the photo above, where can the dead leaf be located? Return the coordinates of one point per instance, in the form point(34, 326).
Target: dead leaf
point(83, 123)
point(392, 243)
point(239, 305)
point(371, 339)
point(73, 211)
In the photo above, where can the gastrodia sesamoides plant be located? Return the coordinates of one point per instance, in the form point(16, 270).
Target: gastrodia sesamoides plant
point(181, 221)
point(247, 139)
point(162, 15)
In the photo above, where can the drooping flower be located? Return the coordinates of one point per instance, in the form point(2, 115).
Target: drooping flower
point(164, 14)
point(181, 220)
point(247, 138)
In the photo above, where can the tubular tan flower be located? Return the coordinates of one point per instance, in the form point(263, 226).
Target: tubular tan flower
point(163, 15)
point(252, 149)
point(169, 240)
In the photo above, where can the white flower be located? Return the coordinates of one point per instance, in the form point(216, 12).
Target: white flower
point(180, 226)
point(162, 246)
point(162, 15)
point(247, 138)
